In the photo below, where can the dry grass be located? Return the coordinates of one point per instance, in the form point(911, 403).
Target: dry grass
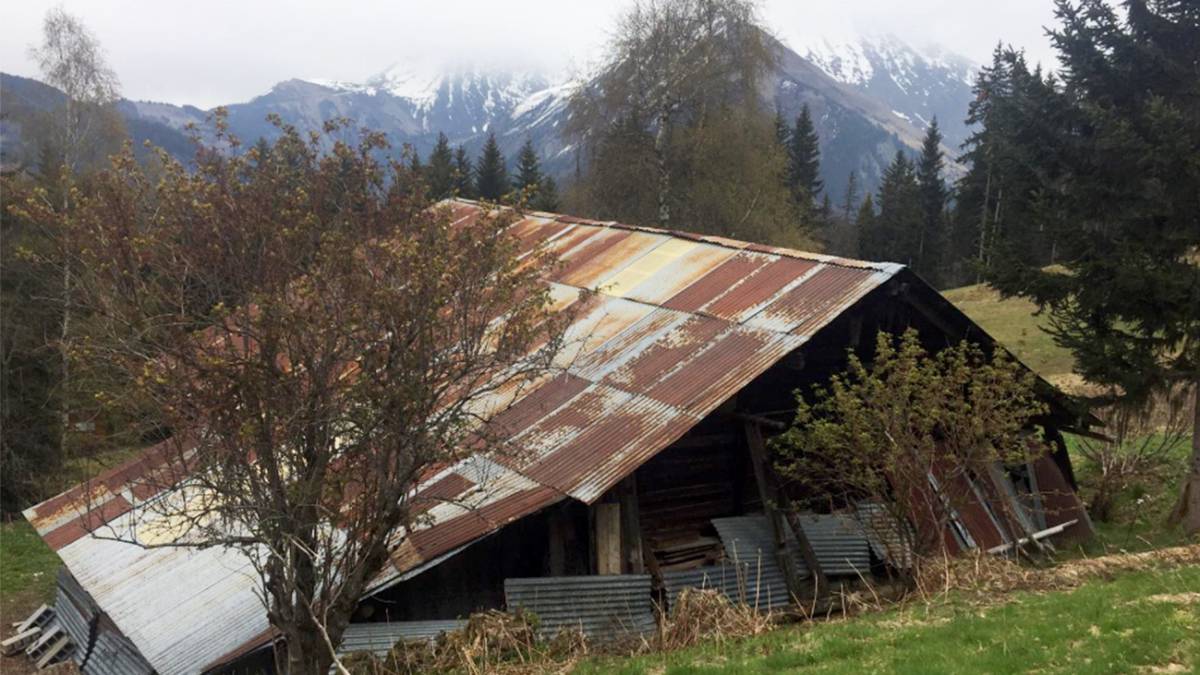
point(992, 576)
point(499, 642)
point(707, 615)
point(491, 642)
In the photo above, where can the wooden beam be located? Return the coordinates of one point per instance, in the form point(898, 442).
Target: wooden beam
point(557, 542)
point(759, 420)
point(631, 528)
point(771, 496)
point(608, 538)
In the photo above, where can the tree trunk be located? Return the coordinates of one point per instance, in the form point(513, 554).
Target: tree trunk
point(664, 171)
point(1187, 512)
point(305, 652)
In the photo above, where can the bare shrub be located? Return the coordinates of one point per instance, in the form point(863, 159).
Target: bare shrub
point(491, 641)
point(1145, 451)
point(700, 615)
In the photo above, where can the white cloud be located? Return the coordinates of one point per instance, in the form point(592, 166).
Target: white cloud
point(221, 51)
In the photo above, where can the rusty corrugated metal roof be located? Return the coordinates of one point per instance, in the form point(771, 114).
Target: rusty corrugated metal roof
point(677, 324)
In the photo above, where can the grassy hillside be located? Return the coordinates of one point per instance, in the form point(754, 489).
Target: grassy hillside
point(1013, 322)
point(1145, 621)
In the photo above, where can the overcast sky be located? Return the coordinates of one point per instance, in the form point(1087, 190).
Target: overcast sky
point(223, 51)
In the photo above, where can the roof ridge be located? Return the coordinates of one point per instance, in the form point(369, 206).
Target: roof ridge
point(715, 240)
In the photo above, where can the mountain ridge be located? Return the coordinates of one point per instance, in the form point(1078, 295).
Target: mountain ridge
point(868, 100)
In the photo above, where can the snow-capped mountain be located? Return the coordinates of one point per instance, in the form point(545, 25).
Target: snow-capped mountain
point(457, 101)
point(868, 98)
point(916, 84)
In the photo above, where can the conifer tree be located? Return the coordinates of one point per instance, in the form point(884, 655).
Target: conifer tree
point(491, 175)
point(1109, 156)
point(929, 255)
point(899, 218)
point(870, 240)
point(529, 171)
point(850, 200)
point(440, 170)
point(783, 134)
point(804, 159)
point(547, 195)
point(464, 186)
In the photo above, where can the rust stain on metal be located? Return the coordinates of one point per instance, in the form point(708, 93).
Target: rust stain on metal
point(716, 282)
point(685, 385)
point(688, 322)
point(760, 286)
point(650, 365)
point(811, 302)
point(87, 522)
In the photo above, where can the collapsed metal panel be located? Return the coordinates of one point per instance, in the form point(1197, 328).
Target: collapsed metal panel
point(379, 637)
point(99, 648)
point(889, 539)
point(605, 608)
point(759, 584)
point(640, 291)
point(839, 543)
point(837, 540)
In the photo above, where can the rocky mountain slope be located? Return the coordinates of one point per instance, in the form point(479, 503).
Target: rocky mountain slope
point(868, 99)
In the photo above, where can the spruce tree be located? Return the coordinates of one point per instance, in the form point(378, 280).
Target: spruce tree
point(870, 240)
point(529, 171)
point(929, 255)
point(804, 159)
point(783, 134)
point(1111, 155)
point(850, 200)
point(464, 186)
point(440, 170)
point(899, 220)
point(547, 195)
point(491, 175)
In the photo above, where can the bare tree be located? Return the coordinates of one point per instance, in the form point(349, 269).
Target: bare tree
point(318, 340)
point(71, 59)
point(673, 64)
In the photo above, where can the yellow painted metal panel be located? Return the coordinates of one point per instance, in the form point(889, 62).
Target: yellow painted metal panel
point(646, 266)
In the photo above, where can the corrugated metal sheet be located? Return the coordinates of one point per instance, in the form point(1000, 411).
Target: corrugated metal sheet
point(837, 540)
point(379, 637)
point(603, 607)
point(839, 543)
point(750, 540)
point(759, 584)
point(99, 648)
point(890, 539)
point(676, 325)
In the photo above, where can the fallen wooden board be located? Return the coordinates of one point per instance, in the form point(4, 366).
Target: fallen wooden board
point(17, 642)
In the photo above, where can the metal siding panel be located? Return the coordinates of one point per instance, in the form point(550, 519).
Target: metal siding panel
point(839, 543)
point(603, 607)
point(884, 534)
point(837, 540)
point(379, 638)
point(756, 584)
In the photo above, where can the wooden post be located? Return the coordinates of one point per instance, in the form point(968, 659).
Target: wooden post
point(608, 538)
point(772, 496)
point(557, 542)
point(631, 529)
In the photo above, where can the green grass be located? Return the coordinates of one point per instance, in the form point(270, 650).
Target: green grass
point(1013, 323)
point(27, 570)
point(1103, 626)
